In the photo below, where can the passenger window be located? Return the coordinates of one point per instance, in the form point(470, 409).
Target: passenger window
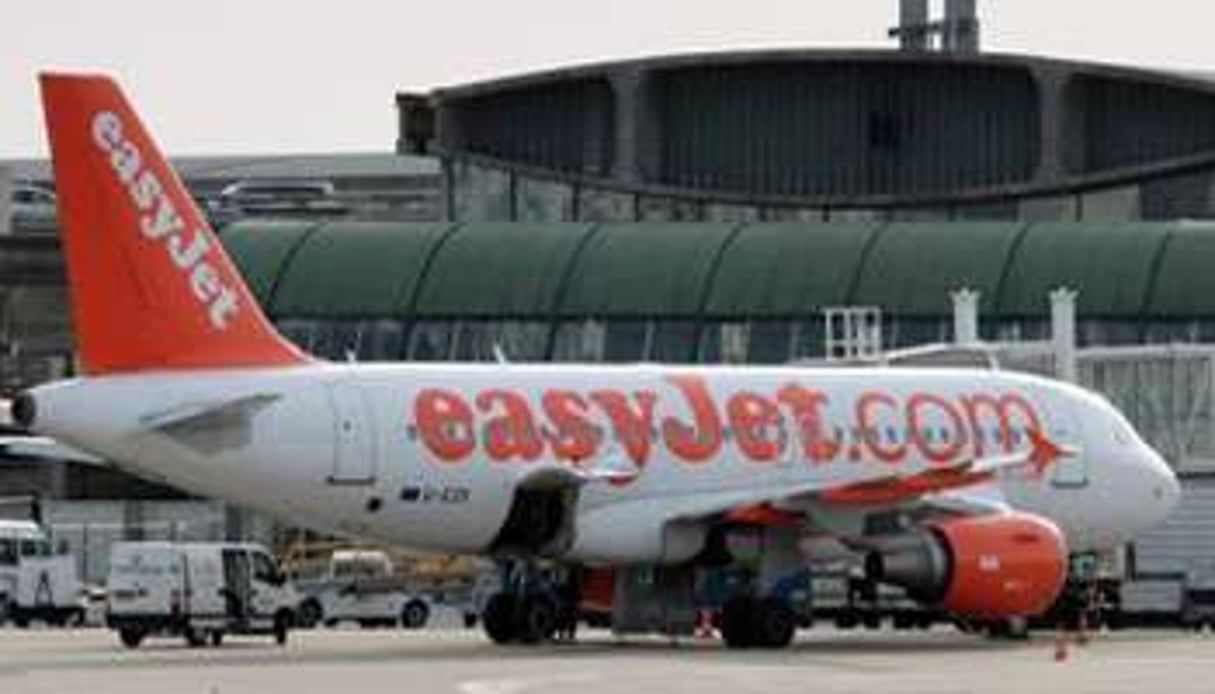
point(264, 569)
point(34, 548)
point(8, 552)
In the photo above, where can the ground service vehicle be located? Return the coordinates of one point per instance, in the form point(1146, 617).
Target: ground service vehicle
point(969, 488)
point(36, 583)
point(360, 586)
point(200, 591)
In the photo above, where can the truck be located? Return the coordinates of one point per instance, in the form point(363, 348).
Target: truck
point(361, 586)
point(36, 583)
point(200, 591)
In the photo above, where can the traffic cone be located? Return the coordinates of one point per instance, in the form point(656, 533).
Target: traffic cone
point(1061, 645)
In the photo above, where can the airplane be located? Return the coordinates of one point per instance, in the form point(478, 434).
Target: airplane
point(970, 488)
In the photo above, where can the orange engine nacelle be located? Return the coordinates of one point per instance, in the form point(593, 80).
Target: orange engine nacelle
point(992, 566)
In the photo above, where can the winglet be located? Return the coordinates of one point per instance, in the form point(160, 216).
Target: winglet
point(151, 286)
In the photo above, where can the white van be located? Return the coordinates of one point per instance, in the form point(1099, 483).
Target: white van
point(36, 583)
point(200, 591)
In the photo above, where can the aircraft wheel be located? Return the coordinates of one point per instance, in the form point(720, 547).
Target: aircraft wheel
point(536, 619)
point(217, 638)
point(737, 629)
point(1012, 629)
point(773, 624)
point(498, 619)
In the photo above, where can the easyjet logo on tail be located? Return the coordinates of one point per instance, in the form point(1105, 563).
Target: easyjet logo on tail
point(160, 220)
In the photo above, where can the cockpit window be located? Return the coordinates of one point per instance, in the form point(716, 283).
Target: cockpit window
point(1123, 433)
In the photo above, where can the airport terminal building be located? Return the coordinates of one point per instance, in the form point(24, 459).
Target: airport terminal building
point(823, 135)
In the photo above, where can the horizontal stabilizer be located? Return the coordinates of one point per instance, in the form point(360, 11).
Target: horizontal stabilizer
point(45, 448)
point(211, 428)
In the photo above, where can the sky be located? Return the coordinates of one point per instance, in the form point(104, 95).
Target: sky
point(303, 76)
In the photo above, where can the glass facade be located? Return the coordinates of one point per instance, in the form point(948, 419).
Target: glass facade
point(485, 192)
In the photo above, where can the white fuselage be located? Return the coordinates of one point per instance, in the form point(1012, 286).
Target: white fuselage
point(429, 456)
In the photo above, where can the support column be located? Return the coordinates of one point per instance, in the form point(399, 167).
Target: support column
point(965, 316)
point(1058, 144)
point(636, 157)
point(1063, 333)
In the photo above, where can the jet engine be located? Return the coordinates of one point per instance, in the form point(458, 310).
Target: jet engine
point(991, 566)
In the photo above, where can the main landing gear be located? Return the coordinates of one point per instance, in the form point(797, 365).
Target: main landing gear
point(526, 618)
point(751, 622)
point(527, 610)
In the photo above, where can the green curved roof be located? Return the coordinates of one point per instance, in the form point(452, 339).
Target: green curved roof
point(347, 269)
point(259, 250)
point(651, 269)
point(913, 267)
point(356, 269)
point(1185, 275)
point(496, 269)
point(1111, 265)
point(787, 269)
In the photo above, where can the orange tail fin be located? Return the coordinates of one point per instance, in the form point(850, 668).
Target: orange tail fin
point(151, 286)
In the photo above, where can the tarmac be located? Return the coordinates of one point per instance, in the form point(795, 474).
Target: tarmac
point(941, 661)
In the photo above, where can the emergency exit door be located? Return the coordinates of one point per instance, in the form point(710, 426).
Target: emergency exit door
point(355, 450)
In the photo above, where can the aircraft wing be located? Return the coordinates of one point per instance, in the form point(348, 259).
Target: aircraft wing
point(964, 488)
point(1041, 454)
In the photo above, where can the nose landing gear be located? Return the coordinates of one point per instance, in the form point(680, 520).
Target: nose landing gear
point(750, 622)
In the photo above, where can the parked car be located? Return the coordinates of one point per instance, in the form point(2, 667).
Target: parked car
point(278, 198)
point(32, 205)
point(361, 586)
